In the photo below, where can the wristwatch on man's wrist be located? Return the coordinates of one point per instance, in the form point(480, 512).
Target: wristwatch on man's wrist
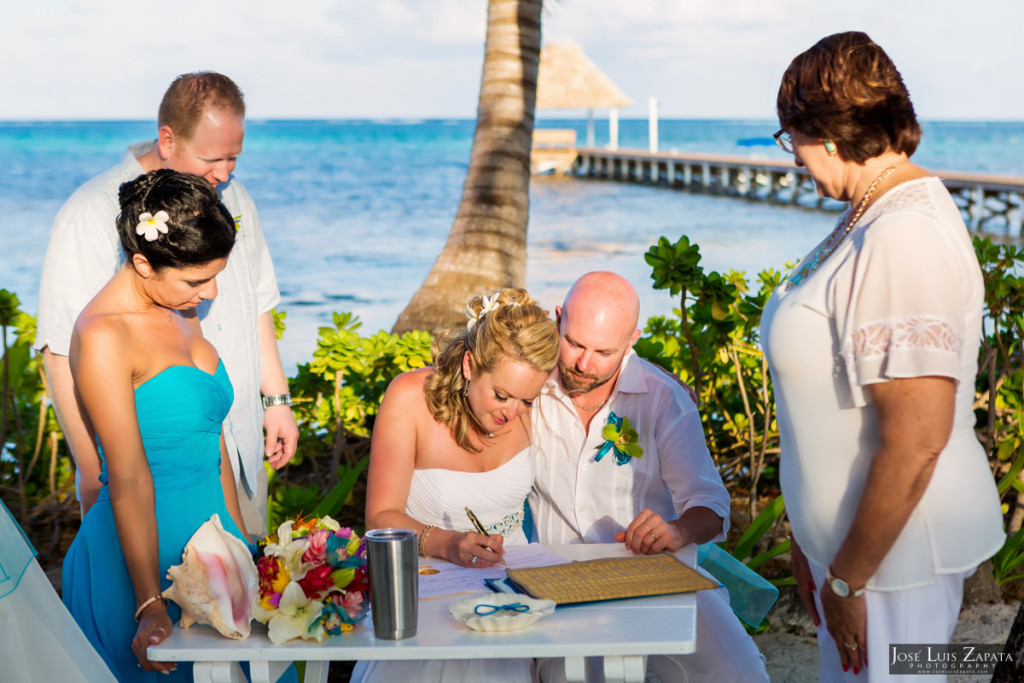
point(277, 400)
point(840, 587)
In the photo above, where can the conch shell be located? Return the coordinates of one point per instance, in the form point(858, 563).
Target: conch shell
point(216, 581)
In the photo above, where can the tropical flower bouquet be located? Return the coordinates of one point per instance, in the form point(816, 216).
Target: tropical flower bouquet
point(312, 580)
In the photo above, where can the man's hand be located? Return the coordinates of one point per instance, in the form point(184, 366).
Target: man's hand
point(649, 534)
point(282, 435)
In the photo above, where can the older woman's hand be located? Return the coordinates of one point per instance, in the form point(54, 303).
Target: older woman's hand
point(804, 580)
point(847, 623)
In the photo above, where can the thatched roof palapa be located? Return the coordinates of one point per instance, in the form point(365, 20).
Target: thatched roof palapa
point(569, 80)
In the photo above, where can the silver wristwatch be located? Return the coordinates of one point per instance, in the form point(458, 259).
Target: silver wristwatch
point(277, 400)
point(840, 587)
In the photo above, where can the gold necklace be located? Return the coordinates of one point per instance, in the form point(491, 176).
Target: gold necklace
point(837, 236)
point(590, 409)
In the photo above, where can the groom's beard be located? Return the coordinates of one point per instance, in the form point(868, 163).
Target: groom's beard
point(575, 383)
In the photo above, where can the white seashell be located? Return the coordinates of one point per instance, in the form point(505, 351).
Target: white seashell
point(216, 581)
point(502, 620)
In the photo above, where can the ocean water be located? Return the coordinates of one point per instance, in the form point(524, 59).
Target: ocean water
point(356, 211)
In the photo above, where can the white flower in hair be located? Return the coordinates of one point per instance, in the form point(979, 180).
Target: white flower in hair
point(490, 303)
point(151, 226)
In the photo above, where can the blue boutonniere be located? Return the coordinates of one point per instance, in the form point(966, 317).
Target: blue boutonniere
point(620, 438)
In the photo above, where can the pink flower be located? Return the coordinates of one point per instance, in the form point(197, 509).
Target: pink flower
point(316, 581)
point(317, 550)
point(353, 603)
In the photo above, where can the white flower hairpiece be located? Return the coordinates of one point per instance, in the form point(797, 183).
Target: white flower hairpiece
point(490, 303)
point(151, 226)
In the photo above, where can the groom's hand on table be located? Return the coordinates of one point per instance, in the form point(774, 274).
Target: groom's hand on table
point(649, 534)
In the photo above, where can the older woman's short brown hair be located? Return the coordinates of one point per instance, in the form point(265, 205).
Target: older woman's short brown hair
point(846, 89)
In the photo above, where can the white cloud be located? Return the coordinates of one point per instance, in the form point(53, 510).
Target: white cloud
point(411, 58)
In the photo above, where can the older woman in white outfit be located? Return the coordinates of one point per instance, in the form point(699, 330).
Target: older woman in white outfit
point(872, 344)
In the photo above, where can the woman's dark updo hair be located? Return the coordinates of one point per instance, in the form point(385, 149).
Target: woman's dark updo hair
point(199, 230)
point(846, 89)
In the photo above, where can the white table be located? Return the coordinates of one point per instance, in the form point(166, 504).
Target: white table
point(623, 632)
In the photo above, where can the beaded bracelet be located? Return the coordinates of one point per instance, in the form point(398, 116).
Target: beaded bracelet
point(147, 603)
point(423, 539)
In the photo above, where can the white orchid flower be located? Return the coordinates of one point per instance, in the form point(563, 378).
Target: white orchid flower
point(290, 551)
point(151, 226)
point(490, 303)
point(296, 614)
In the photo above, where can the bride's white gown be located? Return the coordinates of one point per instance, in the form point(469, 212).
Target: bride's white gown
point(439, 497)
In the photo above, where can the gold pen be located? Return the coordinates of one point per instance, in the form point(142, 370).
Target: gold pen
point(480, 528)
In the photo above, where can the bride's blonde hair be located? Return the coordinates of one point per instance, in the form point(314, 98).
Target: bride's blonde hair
point(508, 325)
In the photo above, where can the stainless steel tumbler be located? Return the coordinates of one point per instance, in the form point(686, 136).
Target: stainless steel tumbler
point(394, 582)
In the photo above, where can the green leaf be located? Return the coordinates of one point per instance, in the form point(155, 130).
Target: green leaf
point(758, 528)
point(334, 500)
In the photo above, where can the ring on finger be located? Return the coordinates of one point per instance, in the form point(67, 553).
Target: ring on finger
point(653, 537)
point(161, 629)
point(474, 560)
point(850, 646)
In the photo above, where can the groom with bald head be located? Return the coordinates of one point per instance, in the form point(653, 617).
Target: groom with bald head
point(669, 497)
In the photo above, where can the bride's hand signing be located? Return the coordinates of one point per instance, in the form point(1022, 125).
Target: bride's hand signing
point(471, 549)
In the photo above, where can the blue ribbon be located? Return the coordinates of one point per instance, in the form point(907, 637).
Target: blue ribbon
point(487, 610)
point(620, 457)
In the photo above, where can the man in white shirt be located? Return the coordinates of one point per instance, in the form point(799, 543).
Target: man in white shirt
point(669, 497)
point(200, 130)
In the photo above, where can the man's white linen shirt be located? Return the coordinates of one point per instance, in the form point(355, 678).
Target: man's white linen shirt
point(84, 252)
point(578, 500)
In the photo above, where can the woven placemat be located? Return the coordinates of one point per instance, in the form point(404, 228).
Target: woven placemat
point(609, 579)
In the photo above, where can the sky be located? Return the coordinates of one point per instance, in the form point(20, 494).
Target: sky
point(341, 59)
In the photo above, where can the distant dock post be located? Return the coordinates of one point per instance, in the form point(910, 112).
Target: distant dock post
point(652, 124)
point(991, 204)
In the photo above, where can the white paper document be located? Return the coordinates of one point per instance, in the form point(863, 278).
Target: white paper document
point(439, 577)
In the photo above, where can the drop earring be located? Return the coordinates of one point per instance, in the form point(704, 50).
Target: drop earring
point(830, 147)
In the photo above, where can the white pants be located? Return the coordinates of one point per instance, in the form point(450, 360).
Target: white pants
point(725, 652)
point(254, 505)
point(914, 616)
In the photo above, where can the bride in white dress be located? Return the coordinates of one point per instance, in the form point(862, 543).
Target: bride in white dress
point(457, 435)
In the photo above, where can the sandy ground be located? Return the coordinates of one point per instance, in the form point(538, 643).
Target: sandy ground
point(792, 650)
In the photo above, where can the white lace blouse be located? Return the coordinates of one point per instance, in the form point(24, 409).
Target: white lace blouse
point(901, 297)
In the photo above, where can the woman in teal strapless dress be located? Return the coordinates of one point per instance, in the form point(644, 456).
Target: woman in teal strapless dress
point(156, 394)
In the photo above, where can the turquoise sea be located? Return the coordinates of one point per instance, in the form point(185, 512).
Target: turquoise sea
point(356, 211)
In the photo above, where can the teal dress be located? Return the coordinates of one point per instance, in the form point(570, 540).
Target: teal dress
point(179, 412)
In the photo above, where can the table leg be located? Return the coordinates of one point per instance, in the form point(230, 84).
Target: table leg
point(575, 669)
point(316, 672)
point(217, 672)
point(627, 669)
point(265, 672)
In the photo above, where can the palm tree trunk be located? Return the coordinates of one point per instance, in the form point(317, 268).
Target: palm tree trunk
point(486, 248)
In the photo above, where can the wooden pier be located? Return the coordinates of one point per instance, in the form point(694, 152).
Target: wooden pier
point(990, 204)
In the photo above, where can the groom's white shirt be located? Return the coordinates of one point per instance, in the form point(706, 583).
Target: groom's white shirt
point(578, 500)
